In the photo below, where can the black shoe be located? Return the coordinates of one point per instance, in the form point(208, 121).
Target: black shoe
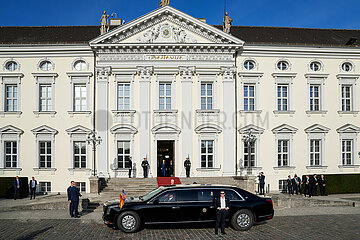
point(216, 233)
point(77, 216)
point(223, 233)
point(72, 216)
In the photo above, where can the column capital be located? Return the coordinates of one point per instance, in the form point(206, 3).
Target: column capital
point(145, 72)
point(102, 73)
point(228, 73)
point(187, 71)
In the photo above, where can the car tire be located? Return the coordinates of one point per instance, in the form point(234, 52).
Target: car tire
point(128, 222)
point(242, 220)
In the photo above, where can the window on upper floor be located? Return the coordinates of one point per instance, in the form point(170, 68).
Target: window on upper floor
point(165, 96)
point(80, 65)
point(45, 95)
point(283, 153)
point(346, 97)
point(80, 99)
point(346, 67)
point(206, 96)
point(249, 64)
point(347, 151)
point(315, 91)
point(282, 97)
point(11, 98)
point(80, 154)
point(315, 66)
point(249, 97)
point(123, 96)
point(11, 66)
point(46, 65)
point(283, 65)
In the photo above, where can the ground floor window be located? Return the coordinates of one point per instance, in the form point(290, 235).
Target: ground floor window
point(45, 187)
point(123, 154)
point(45, 154)
point(10, 154)
point(80, 154)
point(81, 186)
point(207, 153)
point(249, 154)
point(346, 151)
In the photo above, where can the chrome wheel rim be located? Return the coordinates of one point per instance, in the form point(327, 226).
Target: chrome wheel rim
point(243, 220)
point(128, 222)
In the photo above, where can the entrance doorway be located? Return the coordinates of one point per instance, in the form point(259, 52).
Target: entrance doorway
point(165, 151)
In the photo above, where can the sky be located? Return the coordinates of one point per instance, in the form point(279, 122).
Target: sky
point(280, 13)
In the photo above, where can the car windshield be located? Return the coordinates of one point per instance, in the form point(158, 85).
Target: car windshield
point(151, 194)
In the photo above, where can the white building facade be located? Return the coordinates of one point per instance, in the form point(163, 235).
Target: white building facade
point(167, 86)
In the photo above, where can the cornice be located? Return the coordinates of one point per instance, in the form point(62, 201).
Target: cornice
point(9, 74)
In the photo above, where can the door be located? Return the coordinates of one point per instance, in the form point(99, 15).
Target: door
point(165, 157)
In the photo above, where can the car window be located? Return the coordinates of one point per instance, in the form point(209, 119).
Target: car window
point(187, 195)
point(206, 195)
point(231, 195)
point(170, 196)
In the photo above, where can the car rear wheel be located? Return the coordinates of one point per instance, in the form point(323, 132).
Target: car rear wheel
point(242, 220)
point(128, 222)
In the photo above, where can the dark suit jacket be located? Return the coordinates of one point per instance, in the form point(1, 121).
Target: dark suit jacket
point(16, 184)
point(217, 203)
point(262, 180)
point(322, 181)
point(73, 194)
point(30, 184)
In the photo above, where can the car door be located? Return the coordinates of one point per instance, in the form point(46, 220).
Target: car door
point(206, 198)
point(189, 205)
point(163, 208)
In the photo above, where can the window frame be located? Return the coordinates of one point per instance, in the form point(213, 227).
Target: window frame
point(124, 155)
point(282, 98)
point(7, 134)
point(206, 96)
point(123, 108)
point(248, 98)
point(78, 78)
point(12, 154)
point(207, 154)
point(165, 96)
point(80, 155)
point(281, 63)
point(11, 62)
point(282, 153)
point(47, 185)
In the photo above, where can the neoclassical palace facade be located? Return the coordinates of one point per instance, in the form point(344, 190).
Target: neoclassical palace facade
point(167, 86)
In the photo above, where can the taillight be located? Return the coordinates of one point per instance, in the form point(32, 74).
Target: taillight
point(270, 201)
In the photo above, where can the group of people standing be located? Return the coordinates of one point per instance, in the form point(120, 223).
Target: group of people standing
point(18, 186)
point(166, 170)
point(311, 184)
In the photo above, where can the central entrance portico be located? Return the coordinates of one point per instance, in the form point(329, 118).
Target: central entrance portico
point(165, 153)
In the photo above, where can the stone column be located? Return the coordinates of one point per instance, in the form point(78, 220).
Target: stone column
point(229, 118)
point(186, 116)
point(102, 120)
point(145, 73)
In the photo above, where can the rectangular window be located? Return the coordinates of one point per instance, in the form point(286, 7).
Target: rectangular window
point(81, 186)
point(346, 97)
point(283, 185)
point(315, 152)
point(249, 97)
point(10, 154)
point(249, 154)
point(45, 154)
point(165, 96)
point(45, 98)
point(80, 102)
point(347, 151)
point(283, 153)
point(123, 96)
point(314, 97)
point(207, 153)
point(282, 97)
point(45, 187)
point(123, 154)
point(206, 96)
point(80, 154)
point(11, 98)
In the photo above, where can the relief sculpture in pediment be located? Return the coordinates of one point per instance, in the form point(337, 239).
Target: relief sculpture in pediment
point(166, 33)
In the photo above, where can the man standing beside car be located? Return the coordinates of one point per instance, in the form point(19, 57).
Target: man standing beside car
point(262, 183)
point(73, 198)
point(222, 205)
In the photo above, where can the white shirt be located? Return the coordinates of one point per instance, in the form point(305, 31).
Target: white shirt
point(222, 203)
point(33, 183)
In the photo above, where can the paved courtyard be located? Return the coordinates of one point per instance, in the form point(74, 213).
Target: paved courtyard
point(332, 225)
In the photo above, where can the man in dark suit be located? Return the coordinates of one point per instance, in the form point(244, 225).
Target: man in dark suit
point(130, 166)
point(322, 184)
point(73, 198)
point(187, 165)
point(315, 184)
point(32, 186)
point(262, 183)
point(222, 205)
point(171, 169)
point(145, 165)
point(17, 187)
point(163, 169)
point(289, 185)
point(308, 183)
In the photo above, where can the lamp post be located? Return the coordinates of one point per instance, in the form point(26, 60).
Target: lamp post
point(94, 140)
point(249, 139)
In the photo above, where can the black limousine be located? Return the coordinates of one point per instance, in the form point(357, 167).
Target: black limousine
point(187, 204)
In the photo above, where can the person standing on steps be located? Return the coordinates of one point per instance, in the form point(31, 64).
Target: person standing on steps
point(163, 169)
point(145, 166)
point(187, 165)
point(130, 166)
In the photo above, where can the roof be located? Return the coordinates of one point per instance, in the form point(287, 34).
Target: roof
point(250, 34)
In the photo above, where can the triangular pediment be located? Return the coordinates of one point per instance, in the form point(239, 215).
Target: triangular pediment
point(251, 128)
point(317, 128)
point(44, 129)
point(348, 128)
point(78, 130)
point(166, 25)
point(284, 128)
point(10, 129)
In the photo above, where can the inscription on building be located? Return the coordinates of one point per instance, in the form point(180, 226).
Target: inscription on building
point(166, 57)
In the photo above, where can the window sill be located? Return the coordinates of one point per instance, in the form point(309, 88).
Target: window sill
point(348, 113)
point(284, 168)
point(121, 112)
point(72, 113)
point(316, 167)
point(290, 112)
point(208, 169)
point(37, 170)
point(172, 111)
point(2, 170)
point(213, 111)
point(257, 112)
point(86, 170)
point(322, 112)
point(250, 168)
point(17, 113)
point(121, 170)
point(348, 166)
point(37, 113)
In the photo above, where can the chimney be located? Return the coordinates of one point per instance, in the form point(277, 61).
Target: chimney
point(115, 21)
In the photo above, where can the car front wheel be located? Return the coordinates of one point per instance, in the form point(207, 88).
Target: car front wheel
point(128, 222)
point(242, 220)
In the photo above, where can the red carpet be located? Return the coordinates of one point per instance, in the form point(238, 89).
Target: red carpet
point(165, 181)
